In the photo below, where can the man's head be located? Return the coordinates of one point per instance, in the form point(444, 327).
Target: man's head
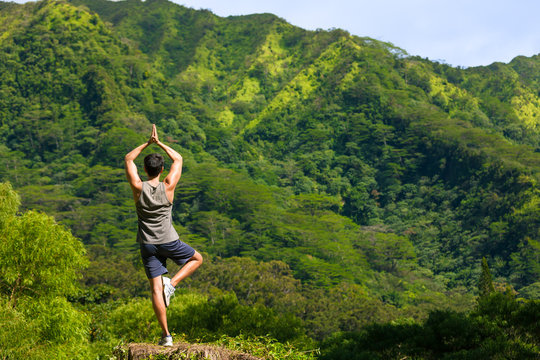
point(153, 165)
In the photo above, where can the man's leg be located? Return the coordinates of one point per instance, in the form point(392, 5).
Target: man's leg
point(189, 268)
point(159, 304)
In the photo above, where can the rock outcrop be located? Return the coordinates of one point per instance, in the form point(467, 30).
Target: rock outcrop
point(182, 351)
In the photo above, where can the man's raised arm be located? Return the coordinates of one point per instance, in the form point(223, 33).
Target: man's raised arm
point(131, 169)
point(176, 168)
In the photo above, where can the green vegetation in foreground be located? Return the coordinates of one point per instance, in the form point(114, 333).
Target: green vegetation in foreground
point(39, 301)
point(332, 181)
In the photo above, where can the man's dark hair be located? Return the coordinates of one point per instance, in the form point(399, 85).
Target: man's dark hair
point(153, 164)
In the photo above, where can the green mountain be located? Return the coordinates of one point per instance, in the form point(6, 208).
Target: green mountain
point(363, 183)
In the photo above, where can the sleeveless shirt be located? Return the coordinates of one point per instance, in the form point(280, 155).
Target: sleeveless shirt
point(154, 215)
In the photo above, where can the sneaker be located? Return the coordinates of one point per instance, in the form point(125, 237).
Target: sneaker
point(166, 341)
point(168, 290)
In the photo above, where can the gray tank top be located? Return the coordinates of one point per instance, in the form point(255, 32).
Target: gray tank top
point(154, 213)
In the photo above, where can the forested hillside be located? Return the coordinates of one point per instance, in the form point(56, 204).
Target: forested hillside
point(331, 181)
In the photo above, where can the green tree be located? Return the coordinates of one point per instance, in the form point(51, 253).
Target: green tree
point(485, 283)
point(38, 257)
point(9, 203)
point(40, 263)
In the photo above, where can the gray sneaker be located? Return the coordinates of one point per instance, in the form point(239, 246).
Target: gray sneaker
point(168, 290)
point(166, 341)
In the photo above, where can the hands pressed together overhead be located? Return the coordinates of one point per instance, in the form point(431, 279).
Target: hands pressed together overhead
point(154, 137)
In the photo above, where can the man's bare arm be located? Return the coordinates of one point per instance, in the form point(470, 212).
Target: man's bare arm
point(131, 169)
point(176, 168)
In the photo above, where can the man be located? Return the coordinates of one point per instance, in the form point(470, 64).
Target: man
point(156, 235)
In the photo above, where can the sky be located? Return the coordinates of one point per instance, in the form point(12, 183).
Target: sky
point(458, 32)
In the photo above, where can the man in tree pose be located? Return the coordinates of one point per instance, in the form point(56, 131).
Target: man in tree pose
point(156, 235)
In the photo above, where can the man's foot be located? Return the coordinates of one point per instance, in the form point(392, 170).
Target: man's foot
point(166, 341)
point(168, 290)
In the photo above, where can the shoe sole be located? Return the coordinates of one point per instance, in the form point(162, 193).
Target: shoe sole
point(164, 296)
point(166, 300)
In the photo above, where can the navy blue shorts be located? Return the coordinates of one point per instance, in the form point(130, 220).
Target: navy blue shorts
point(154, 257)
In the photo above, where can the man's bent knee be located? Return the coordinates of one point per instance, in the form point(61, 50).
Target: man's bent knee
point(197, 257)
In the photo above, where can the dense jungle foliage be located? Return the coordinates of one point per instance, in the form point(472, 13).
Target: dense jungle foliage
point(343, 192)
